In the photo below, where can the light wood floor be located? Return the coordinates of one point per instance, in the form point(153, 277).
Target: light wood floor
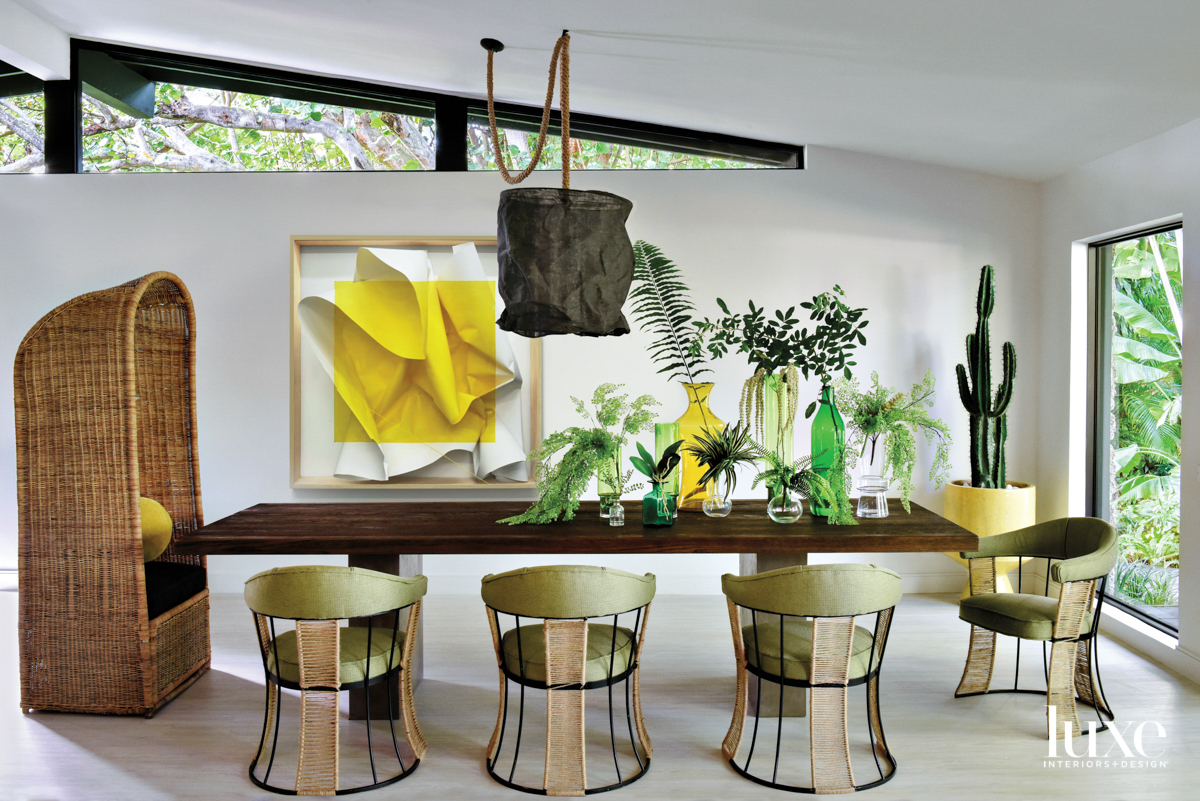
point(975, 748)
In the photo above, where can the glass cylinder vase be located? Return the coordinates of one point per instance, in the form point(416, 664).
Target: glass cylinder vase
point(695, 419)
point(608, 481)
point(873, 482)
point(666, 435)
point(777, 439)
point(828, 444)
point(657, 508)
point(718, 503)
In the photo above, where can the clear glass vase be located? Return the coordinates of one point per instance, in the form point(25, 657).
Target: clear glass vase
point(828, 442)
point(608, 478)
point(666, 435)
point(873, 482)
point(785, 507)
point(718, 503)
point(695, 419)
point(657, 508)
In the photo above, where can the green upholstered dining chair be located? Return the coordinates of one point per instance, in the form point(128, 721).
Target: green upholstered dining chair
point(320, 657)
point(565, 653)
point(826, 653)
point(1080, 552)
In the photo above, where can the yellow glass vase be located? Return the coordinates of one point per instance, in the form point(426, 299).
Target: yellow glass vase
point(695, 419)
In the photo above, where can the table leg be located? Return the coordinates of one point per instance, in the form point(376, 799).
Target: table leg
point(793, 697)
point(396, 565)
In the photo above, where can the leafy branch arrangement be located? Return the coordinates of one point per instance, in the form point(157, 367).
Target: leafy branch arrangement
point(658, 472)
point(721, 452)
point(562, 483)
point(662, 307)
point(883, 418)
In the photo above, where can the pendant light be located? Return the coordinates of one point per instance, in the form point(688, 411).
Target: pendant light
point(565, 259)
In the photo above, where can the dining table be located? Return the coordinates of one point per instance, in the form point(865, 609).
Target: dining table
point(392, 537)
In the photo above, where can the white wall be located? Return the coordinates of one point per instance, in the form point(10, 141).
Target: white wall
point(1155, 180)
point(904, 239)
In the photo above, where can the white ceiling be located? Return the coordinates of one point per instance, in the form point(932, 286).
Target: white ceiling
point(1022, 88)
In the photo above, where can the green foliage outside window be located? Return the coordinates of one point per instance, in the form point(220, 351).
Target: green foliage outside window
point(22, 133)
point(1147, 378)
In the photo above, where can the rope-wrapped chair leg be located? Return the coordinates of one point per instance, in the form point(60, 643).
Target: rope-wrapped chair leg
point(566, 666)
point(733, 739)
point(981, 659)
point(412, 729)
point(317, 644)
point(494, 745)
point(1074, 599)
point(638, 719)
point(833, 639)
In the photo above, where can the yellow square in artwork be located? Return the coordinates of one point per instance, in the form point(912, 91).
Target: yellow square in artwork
point(415, 361)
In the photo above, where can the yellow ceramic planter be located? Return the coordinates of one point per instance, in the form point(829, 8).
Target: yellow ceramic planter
point(985, 512)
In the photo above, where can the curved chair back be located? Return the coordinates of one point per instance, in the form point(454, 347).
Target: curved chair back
point(330, 592)
point(1087, 546)
point(567, 591)
point(816, 590)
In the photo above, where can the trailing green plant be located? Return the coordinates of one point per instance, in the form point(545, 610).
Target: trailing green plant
point(720, 452)
point(658, 473)
point(1137, 583)
point(561, 484)
point(989, 423)
point(663, 309)
point(882, 418)
point(799, 477)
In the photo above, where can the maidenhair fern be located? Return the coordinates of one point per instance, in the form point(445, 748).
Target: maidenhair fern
point(663, 309)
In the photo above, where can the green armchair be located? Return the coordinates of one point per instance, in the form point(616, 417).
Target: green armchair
point(1080, 552)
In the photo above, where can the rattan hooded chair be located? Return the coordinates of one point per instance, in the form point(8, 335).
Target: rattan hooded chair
point(566, 655)
point(320, 658)
point(827, 654)
point(1080, 552)
point(105, 395)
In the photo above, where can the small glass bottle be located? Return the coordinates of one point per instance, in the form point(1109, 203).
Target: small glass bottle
point(616, 513)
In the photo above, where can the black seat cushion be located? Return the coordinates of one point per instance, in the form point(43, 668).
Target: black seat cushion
point(168, 584)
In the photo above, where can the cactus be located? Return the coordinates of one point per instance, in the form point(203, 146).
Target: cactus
point(989, 428)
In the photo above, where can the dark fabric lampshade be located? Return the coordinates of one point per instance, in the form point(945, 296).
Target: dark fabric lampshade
point(565, 261)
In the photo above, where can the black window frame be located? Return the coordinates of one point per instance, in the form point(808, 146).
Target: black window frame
point(1098, 502)
point(452, 114)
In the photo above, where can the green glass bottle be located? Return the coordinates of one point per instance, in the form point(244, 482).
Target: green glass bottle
point(658, 508)
point(828, 442)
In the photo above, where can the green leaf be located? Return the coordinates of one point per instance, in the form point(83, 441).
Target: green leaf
point(1138, 317)
point(1124, 346)
point(812, 407)
point(315, 116)
point(1129, 372)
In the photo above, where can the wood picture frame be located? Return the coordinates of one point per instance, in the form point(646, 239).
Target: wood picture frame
point(533, 427)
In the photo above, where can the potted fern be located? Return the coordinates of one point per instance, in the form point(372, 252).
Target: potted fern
point(662, 307)
point(588, 451)
point(882, 436)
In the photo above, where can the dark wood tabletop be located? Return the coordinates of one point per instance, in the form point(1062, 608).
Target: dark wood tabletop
point(470, 527)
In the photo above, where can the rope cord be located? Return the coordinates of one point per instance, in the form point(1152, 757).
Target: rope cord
point(563, 68)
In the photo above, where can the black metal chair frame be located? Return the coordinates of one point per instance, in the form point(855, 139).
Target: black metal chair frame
point(643, 760)
point(277, 685)
point(883, 623)
point(1101, 705)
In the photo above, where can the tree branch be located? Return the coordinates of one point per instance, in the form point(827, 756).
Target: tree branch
point(26, 164)
point(11, 117)
point(248, 119)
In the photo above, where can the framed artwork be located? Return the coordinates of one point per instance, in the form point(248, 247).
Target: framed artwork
point(399, 375)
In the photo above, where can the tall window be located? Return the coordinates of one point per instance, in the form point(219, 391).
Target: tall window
point(1139, 377)
point(22, 122)
point(586, 154)
point(209, 130)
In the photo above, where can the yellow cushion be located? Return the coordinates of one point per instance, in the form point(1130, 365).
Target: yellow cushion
point(797, 649)
point(352, 650)
point(599, 651)
point(156, 529)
